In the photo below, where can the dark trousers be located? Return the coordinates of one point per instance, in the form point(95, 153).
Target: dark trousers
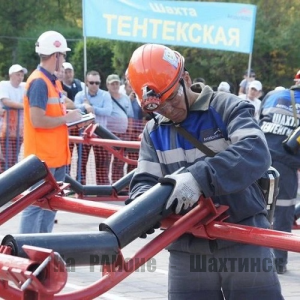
point(233, 273)
point(283, 221)
point(285, 208)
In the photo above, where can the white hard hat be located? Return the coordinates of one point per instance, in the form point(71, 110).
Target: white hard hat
point(51, 42)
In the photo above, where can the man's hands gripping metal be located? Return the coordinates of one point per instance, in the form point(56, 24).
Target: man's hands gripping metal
point(186, 192)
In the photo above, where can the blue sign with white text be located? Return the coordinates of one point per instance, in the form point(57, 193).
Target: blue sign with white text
point(211, 25)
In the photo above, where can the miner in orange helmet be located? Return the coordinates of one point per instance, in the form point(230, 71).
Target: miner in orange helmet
point(157, 86)
point(234, 157)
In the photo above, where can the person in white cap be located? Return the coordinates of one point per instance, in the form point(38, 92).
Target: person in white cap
point(254, 92)
point(11, 98)
point(224, 87)
point(71, 85)
point(45, 122)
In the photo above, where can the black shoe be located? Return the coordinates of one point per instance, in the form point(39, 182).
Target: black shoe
point(281, 269)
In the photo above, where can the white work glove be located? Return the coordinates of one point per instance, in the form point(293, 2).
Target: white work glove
point(186, 191)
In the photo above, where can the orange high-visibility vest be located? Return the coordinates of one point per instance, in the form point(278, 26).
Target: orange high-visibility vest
point(49, 144)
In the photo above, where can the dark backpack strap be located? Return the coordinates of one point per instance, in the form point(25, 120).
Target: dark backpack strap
point(119, 105)
point(188, 136)
point(194, 141)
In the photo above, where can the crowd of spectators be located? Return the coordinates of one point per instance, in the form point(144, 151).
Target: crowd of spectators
point(117, 109)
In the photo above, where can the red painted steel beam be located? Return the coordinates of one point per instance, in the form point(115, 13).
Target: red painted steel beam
point(85, 207)
point(40, 277)
point(104, 142)
point(191, 222)
point(255, 236)
point(27, 199)
point(109, 145)
point(110, 279)
point(213, 229)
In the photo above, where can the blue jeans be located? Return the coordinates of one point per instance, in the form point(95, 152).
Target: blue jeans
point(37, 220)
point(239, 272)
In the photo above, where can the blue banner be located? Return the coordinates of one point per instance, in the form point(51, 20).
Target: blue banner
point(211, 25)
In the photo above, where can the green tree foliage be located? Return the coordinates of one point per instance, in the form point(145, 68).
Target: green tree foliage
point(122, 52)
point(99, 58)
point(276, 54)
point(23, 21)
point(26, 47)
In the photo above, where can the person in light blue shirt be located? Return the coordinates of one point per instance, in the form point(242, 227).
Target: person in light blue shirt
point(120, 122)
point(122, 113)
point(96, 101)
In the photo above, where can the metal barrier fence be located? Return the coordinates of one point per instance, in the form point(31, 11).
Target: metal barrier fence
point(90, 164)
point(11, 137)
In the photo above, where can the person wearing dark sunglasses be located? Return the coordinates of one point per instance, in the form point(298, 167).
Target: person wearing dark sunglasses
point(94, 82)
point(97, 101)
point(225, 125)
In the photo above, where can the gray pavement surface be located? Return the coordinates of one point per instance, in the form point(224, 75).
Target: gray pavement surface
point(146, 283)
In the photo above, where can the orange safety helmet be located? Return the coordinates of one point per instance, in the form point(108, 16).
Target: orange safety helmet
point(153, 72)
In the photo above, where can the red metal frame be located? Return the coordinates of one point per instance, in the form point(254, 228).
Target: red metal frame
point(205, 220)
point(89, 138)
point(116, 147)
point(20, 271)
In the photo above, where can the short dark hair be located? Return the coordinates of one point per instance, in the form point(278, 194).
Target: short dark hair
point(197, 87)
point(199, 79)
point(92, 73)
point(252, 73)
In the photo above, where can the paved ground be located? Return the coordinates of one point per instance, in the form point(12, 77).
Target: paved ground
point(143, 284)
